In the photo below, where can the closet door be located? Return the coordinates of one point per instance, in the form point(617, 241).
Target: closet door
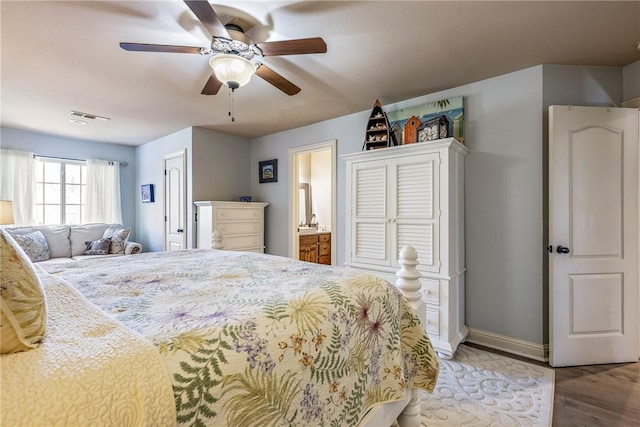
point(369, 234)
point(414, 189)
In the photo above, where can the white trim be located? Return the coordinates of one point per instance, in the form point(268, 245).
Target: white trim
point(632, 103)
point(528, 349)
point(293, 195)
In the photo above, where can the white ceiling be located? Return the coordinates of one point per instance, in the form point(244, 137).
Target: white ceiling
point(60, 56)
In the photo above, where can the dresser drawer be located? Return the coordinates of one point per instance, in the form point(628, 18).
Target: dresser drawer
point(324, 237)
point(233, 228)
point(238, 214)
point(433, 322)
point(430, 291)
point(324, 249)
point(242, 242)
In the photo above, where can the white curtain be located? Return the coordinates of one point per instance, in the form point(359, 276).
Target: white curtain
point(103, 192)
point(18, 184)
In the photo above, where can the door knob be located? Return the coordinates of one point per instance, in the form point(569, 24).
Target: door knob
point(562, 249)
point(180, 230)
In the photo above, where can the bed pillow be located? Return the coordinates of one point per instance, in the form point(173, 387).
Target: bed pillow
point(98, 247)
point(22, 302)
point(34, 244)
point(118, 236)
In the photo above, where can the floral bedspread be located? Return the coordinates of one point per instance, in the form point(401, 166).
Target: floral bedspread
point(252, 339)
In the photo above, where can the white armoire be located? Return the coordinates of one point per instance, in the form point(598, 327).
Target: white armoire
point(413, 195)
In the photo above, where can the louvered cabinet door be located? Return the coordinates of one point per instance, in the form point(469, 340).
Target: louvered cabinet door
point(369, 213)
point(415, 215)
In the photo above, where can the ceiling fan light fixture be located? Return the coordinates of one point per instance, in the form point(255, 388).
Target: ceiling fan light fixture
point(232, 70)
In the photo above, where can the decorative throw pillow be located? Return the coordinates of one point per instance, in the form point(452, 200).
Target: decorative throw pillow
point(34, 245)
point(118, 236)
point(98, 247)
point(22, 299)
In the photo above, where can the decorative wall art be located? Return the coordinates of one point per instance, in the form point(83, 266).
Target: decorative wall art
point(428, 122)
point(268, 171)
point(147, 193)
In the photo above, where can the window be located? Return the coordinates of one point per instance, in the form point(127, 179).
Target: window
point(60, 191)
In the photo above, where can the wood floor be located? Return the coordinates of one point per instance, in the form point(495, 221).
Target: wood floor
point(593, 396)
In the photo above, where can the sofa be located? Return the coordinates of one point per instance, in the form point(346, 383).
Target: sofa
point(56, 243)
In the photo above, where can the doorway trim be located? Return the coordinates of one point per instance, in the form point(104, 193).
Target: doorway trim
point(294, 194)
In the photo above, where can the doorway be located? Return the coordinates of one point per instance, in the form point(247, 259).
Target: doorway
point(312, 193)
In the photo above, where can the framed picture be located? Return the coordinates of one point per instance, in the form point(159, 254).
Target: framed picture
point(147, 193)
point(268, 171)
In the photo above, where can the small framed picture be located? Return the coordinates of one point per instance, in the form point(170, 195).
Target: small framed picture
point(268, 171)
point(147, 193)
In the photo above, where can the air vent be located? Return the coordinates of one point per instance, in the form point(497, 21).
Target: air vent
point(87, 116)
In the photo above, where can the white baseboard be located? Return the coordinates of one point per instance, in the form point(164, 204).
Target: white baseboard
point(528, 349)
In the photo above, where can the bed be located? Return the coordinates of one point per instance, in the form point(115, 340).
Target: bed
point(225, 338)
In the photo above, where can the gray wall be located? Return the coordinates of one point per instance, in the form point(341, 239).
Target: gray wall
point(505, 186)
point(631, 81)
point(220, 166)
point(47, 145)
point(220, 169)
point(217, 169)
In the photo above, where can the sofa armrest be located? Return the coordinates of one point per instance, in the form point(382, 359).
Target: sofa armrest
point(132, 248)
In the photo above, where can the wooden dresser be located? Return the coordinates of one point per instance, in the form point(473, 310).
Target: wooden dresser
point(241, 225)
point(316, 248)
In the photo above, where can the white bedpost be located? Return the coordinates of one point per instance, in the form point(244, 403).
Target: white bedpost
point(409, 284)
point(409, 281)
point(216, 240)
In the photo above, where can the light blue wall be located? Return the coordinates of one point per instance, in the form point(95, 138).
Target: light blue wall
point(150, 170)
point(505, 186)
point(503, 130)
point(47, 145)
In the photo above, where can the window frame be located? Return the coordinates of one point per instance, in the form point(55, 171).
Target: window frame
point(63, 205)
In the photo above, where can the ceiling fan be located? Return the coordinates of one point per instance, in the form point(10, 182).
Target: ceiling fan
point(234, 60)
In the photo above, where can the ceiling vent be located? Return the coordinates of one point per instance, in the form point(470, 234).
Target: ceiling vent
point(87, 116)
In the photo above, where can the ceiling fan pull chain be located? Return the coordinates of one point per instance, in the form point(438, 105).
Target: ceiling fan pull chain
point(231, 93)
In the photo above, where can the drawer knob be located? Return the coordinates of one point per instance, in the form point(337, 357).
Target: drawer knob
point(427, 291)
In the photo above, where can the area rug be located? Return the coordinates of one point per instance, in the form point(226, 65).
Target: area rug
point(479, 388)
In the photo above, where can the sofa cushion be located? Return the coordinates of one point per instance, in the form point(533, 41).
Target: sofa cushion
point(34, 245)
point(98, 247)
point(85, 233)
point(57, 238)
point(22, 301)
point(118, 236)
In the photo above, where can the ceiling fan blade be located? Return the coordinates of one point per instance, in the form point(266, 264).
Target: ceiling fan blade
point(293, 47)
point(142, 47)
point(205, 13)
point(212, 86)
point(277, 80)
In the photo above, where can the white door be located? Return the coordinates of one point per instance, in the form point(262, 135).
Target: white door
point(593, 235)
point(175, 193)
